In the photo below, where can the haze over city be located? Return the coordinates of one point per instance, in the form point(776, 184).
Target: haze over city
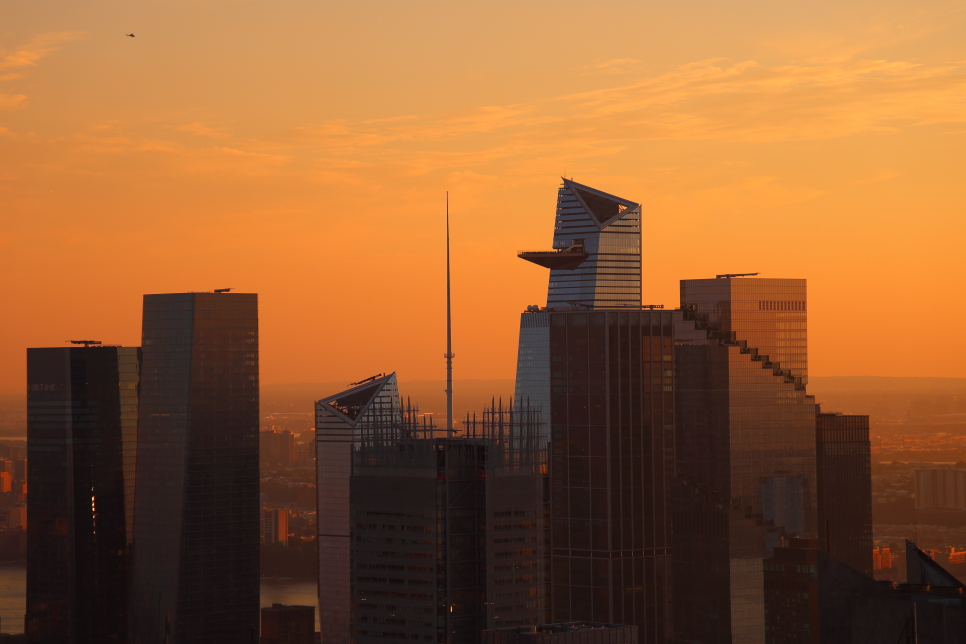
point(273, 370)
point(302, 151)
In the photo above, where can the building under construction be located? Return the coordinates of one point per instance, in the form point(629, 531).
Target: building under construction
point(425, 534)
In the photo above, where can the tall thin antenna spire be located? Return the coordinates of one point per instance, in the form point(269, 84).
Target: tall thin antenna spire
point(449, 336)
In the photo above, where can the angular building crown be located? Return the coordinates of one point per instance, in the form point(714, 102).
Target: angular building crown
point(605, 208)
point(352, 404)
point(596, 255)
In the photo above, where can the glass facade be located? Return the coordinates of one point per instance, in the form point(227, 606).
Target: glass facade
point(608, 230)
point(533, 366)
point(196, 521)
point(596, 263)
point(81, 440)
point(844, 462)
point(611, 463)
point(792, 612)
point(342, 421)
point(745, 448)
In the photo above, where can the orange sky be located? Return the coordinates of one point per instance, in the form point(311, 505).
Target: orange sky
point(301, 150)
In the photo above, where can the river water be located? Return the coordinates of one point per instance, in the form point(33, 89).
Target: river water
point(13, 586)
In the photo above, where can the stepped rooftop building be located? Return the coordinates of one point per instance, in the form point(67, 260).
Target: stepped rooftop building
point(745, 441)
point(710, 396)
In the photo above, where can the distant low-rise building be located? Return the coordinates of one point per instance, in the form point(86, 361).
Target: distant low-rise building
point(274, 526)
point(283, 624)
point(17, 517)
point(563, 633)
point(882, 558)
point(277, 447)
point(940, 490)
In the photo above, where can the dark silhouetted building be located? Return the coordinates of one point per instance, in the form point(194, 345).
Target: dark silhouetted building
point(283, 624)
point(811, 597)
point(196, 532)
point(791, 595)
point(440, 537)
point(611, 463)
point(844, 468)
point(277, 447)
point(82, 408)
point(745, 449)
point(565, 633)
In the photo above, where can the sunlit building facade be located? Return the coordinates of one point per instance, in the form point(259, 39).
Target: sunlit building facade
point(601, 369)
point(341, 421)
point(595, 262)
point(745, 449)
point(196, 525)
point(82, 407)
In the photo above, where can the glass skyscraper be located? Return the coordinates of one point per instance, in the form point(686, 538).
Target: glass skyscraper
point(341, 421)
point(595, 262)
point(844, 463)
point(82, 407)
point(611, 463)
point(745, 446)
point(196, 522)
point(601, 371)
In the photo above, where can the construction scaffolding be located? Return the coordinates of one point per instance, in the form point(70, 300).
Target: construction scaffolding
point(398, 436)
point(449, 535)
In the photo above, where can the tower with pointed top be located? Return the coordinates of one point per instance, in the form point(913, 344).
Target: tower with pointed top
point(596, 255)
point(342, 420)
point(595, 263)
point(600, 370)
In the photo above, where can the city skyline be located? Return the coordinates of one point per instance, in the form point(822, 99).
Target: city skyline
point(720, 380)
point(836, 129)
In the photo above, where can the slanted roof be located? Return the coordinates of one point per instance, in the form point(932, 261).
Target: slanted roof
point(352, 403)
point(603, 207)
point(922, 570)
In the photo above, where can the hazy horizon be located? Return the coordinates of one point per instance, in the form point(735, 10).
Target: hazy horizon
point(305, 155)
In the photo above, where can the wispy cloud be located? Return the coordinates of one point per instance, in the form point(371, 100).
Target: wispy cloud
point(9, 101)
point(710, 100)
point(30, 53)
point(200, 129)
point(26, 56)
point(615, 66)
point(880, 175)
point(706, 100)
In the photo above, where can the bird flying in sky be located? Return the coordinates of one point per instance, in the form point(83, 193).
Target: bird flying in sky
point(129, 35)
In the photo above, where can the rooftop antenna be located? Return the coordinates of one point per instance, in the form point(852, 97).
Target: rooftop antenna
point(86, 343)
point(449, 336)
